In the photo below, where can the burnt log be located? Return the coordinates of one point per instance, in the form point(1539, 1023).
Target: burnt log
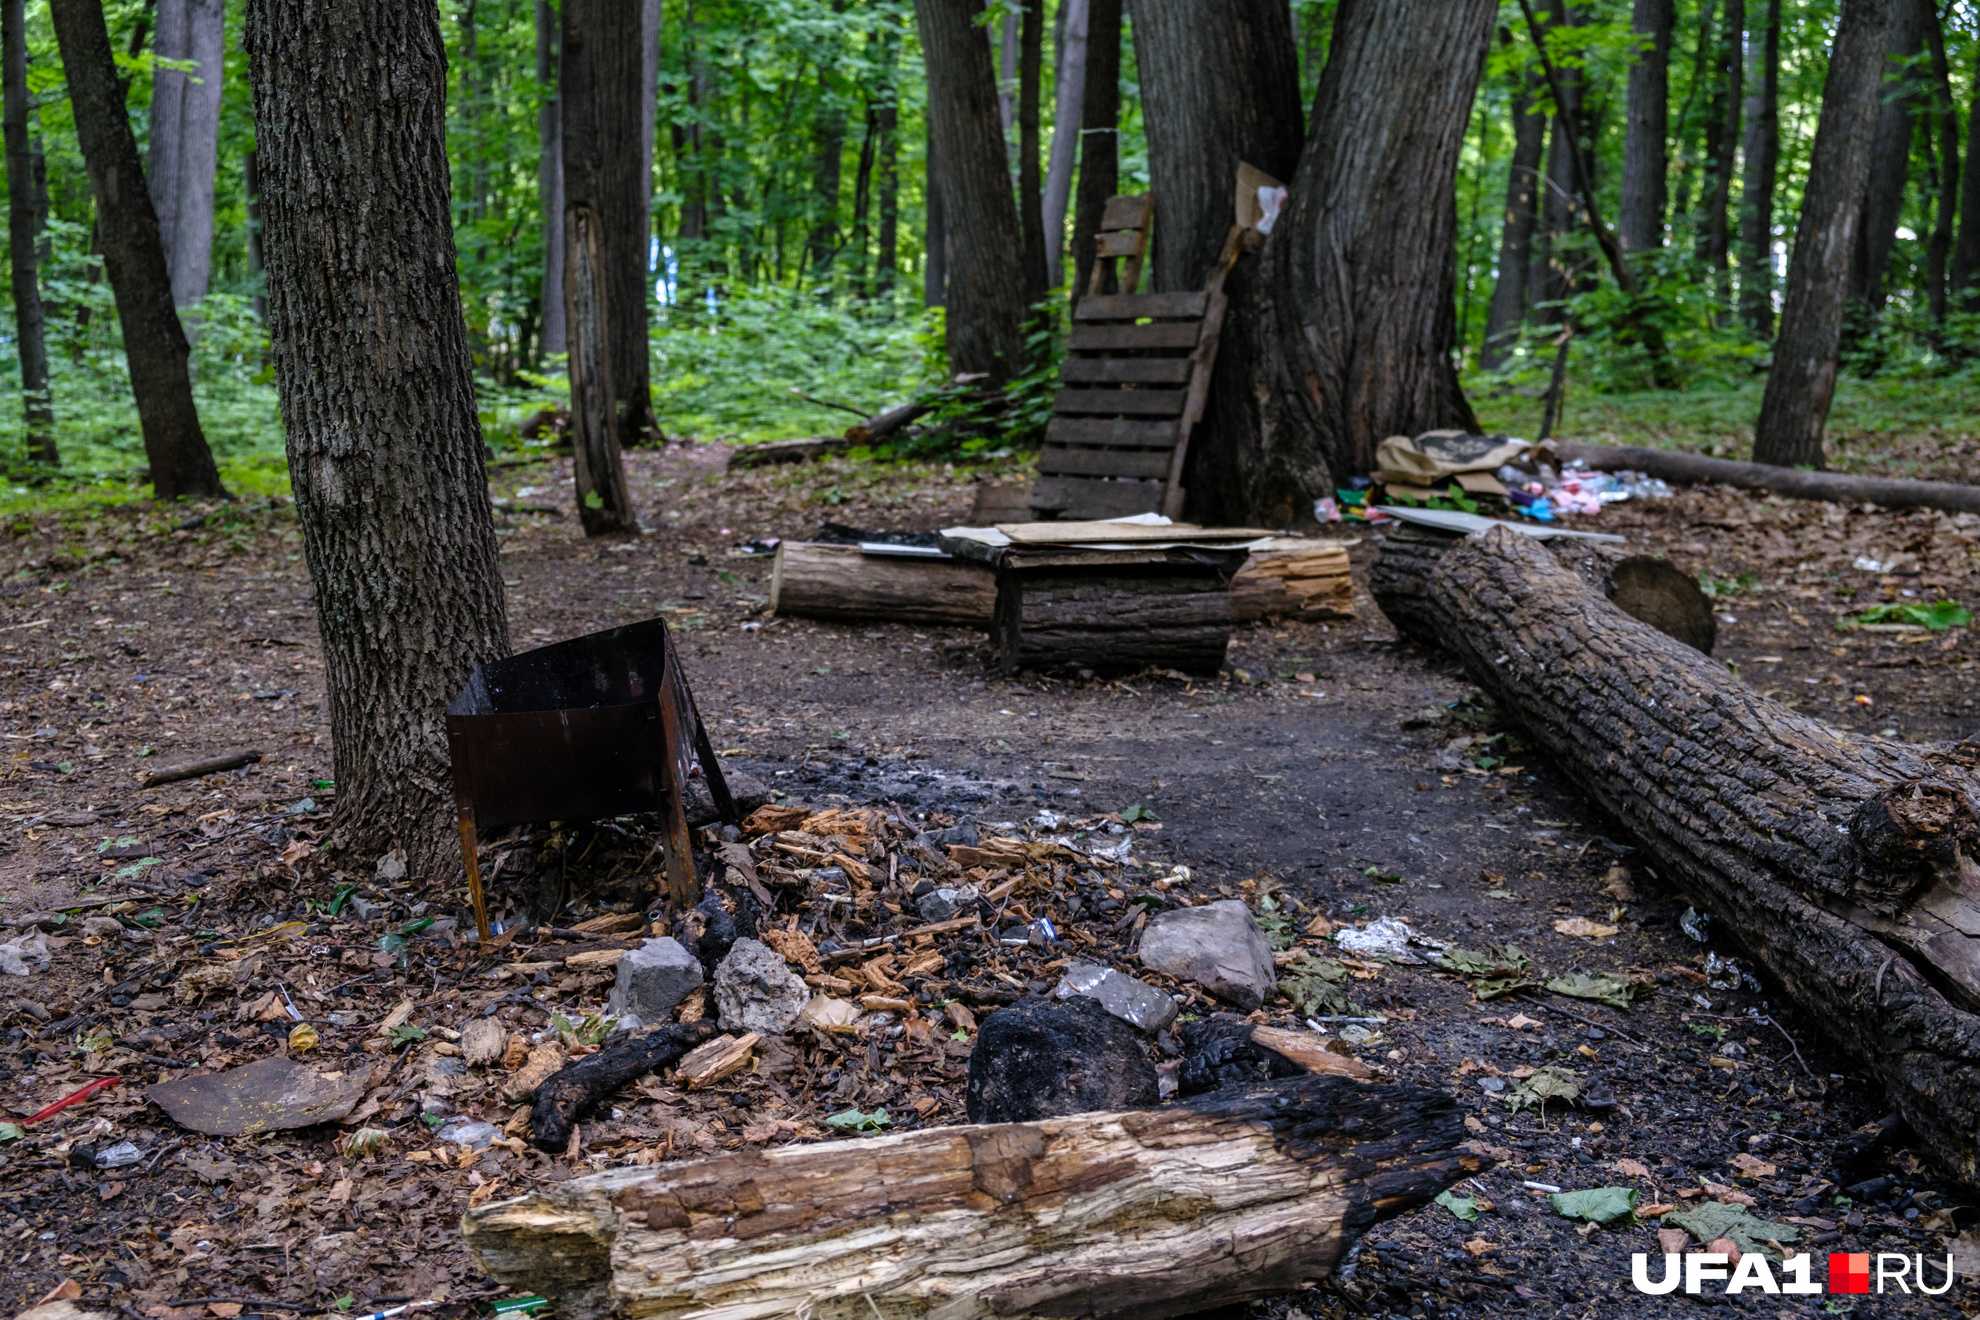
point(1147, 1213)
point(570, 1093)
point(1845, 865)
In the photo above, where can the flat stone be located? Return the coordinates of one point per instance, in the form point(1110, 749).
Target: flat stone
point(943, 904)
point(1136, 1003)
point(653, 979)
point(1218, 946)
point(756, 991)
point(747, 791)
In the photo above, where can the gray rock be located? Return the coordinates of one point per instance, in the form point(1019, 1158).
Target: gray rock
point(942, 904)
point(1039, 1059)
point(654, 978)
point(365, 909)
point(755, 991)
point(1134, 1002)
point(748, 791)
point(1219, 946)
point(963, 834)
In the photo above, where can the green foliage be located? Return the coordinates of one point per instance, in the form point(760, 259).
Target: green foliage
point(1597, 1205)
point(1727, 588)
point(1316, 988)
point(1938, 616)
point(1548, 1083)
point(851, 1120)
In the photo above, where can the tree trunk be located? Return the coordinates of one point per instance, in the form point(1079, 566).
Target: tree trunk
point(1890, 158)
point(1075, 1216)
point(597, 466)
point(154, 342)
point(1508, 311)
point(1802, 383)
point(1357, 315)
point(190, 258)
point(171, 40)
point(550, 178)
point(377, 393)
point(649, 97)
point(1700, 60)
point(1067, 109)
point(1695, 469)
point(1099, 135)
point(1762, 159)
point(1220, 86)
point(1722, 143)
point(599, 103)
point(1945, 184)
point(257, 266)
point(821, 245)
point(30, 326)
point(934, 242)
point(1031, 215)
point(473, 109)
point(1640, 217)
point(1552, 278)
point(887, 123)
point(1846, 866)
point(1966, 252)
point(863, 197)
point(984, 293)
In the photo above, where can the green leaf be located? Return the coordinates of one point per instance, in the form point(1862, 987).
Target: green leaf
point(1609, 988)
point(1709, 1220)
point(1597, 1205)
point(406, 1032)
point(593, 500)
point(1545, 1084)
point(1499, 987)
point(1315, 987)
point(1464, 1207)
point(852, 1120)
point(1938, 616)
point(12, 1132)
point(1129, 815)
point(1505, 960)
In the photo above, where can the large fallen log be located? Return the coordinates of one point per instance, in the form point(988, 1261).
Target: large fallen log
point(840, 582)
point(1844, 864)
point(1149, 1213)
point(1686, 469)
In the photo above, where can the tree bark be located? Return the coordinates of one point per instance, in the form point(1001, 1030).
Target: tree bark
point(887, 124)
point(1099, 135)
point(1553, 275)
point(170, 39)
point(649, 99)
point(257, 267)
point(1075, 1216)
point(597, 465)
point(1965, 271)
point(1945, 183)
point(1890, 157)
point(985, 287)
point(154, 341)
point(1220, 86)
point(377, 392)
point(1846, 866)
point(599, 106)
point(1068, 106)
point(1031, 215)
point(1508, 310)
point(935, 240)
point(1722, 142)
point(817, 581)
point(1762, 160)
point(30, 325)
point(1802, 383)
point(1640, 216)
point(550, 179)
point(821, 245)
point(1348, 361)
point(190, 258)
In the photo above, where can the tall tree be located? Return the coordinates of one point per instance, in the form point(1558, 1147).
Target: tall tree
point(887, 125)
point(1031, 215)
point(30, 328)
point(1944, 113)
point(377, 389)
point(600, 102)
point(1219, 86)
point(185, 138)
point(828, 146)
point(1358, 279)
point(550, 176)
point(985, 292)
point(935, 235)
point(1762, 160)
point(1509, 293)
point(1640, 217)
point(1722, 141)
point(155, 347)
point(1067, 108)
point(1802, 384)
point(1902, 99)
point(1554, 269)
point(1099, 134)
point(1965, 273)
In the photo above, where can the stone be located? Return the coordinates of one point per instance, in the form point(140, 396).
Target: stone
point(1218, 946)
point(747, 790)
point(1045, 1059)
point(653, 979)
point(756, 992)
point(944, 904)
point(1136, 1003)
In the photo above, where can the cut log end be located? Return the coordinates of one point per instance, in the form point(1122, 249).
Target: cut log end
point(1101, 1215)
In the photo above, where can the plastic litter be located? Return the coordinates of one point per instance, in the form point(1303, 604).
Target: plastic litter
point(470, 1132)
point(1389, 937)
point(1694, 924)
point(118, 1156)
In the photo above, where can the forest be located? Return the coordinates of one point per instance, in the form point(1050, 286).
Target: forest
point(791, 225)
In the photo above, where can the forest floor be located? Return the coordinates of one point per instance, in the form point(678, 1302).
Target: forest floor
point(1329, 769)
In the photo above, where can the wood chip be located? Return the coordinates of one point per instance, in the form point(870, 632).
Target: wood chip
point(1311, 1051)
point(710, 1063)
point(594, 959)
point(543, 1061)
point(483, 1041)
point(612, 923)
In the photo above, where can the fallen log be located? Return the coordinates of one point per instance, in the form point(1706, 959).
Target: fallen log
point(1148, 1213)
point(570, 1093)
point(1687, 469)
point(875, 429)
point(839, 582)
point(1844, 864)
point(210, 765)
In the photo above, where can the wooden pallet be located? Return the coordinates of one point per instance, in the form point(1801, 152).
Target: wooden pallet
point(1133, 383)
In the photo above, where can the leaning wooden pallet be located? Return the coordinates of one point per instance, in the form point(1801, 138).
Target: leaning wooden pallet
point(1133, 385)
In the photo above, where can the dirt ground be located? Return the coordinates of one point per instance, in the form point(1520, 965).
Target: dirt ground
point(1332, 769)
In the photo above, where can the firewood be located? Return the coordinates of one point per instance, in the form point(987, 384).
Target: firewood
point(1845, 865)
point(1312, 1052)
point(708, 1064)
point(1305, 579)
point(210, 765)
point(1096, 1215)
point(819, 581)
point(565, 1095)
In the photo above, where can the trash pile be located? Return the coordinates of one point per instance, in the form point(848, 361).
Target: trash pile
point(1455, 470)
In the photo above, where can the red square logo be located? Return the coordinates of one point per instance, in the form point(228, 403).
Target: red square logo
point(1849, 1271)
